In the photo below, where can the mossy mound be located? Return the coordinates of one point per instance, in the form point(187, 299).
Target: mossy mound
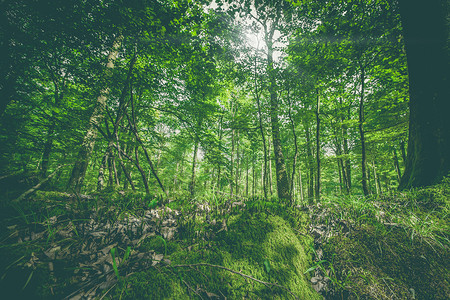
point(394, 247)
point(262, 246)
point(389, 266)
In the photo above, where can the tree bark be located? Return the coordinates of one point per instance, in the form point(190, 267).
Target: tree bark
point(141, 171)
point(281, 173)
point(318, 147)
point(48, 147)
point(269, 180)
point(294, 161)
point(246, 177)
point(376, 179)
point(237, 164)
point(194, 163)
point(300, 183)
point(261, 128)
point(232, 162)
point(426, 31)
point(80, 167)
point(361, 133)
point(309, 163)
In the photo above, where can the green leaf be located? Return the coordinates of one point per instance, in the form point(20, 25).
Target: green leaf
point(28, 280)
point(267, 266)
point(315, 266)
point(113, 255)
point(127, 253)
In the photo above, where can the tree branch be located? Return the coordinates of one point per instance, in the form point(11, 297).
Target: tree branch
point(267, 284)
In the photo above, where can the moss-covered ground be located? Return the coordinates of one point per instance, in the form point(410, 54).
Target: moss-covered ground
point(262, 246)
point(388, 247)
point(250, 250)
point(116, 245)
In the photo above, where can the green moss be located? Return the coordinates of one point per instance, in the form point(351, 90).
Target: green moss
point(160, 245)
point(151, 284)
point(384, 265)
point(249, 242)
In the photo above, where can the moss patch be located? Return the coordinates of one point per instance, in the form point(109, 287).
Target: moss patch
point(390, 265)
point(262, 246)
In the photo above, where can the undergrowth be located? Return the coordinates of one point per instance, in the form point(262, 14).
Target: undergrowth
point(214, 238)
point(387, 247)
point(217, 247)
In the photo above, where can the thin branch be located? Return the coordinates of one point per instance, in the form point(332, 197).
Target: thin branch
point(267, 284)
point(37, 186)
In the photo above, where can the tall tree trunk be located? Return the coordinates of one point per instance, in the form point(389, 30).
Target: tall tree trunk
point(309, 163)
point(261, 128)
point(269, 179)
point(361, 133)
point(397, 166)
point(101, 171)
point(246, 179)
point(132, 122)
point(300, 183)
point(219, 165)
point(194, 163)
point(281, 172)
point(232, 162)
point(376, 179)
point(318, 147)
point(126, 168)
point(346, 167)
point(144, 177)
point(338, 161)
point(80, 167)
point(48, 147)
point(294, 161)
point(426, 31)
point(237, 164)
point(347, 163)
point(253, 175)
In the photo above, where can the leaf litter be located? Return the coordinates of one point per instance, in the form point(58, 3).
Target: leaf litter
point(84, 239)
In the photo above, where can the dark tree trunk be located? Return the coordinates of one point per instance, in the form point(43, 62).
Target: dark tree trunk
point(232, 162)
point(309, 163)
point(294, 161)
point(361, 133)
point(246, 177)
point(261, 128)
point(101, 172)
point(236, 184)
point(79, 169)
point(318, 147)
point(397, 165)
point(426, 31)
point(347, 163)
point(141, 171)
point(269, 179)
point(194, 163)
point(281, 172)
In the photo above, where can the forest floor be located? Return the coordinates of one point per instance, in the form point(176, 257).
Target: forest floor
point(116, 245)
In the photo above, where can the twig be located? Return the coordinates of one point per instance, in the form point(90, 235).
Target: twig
point(267, 284)
point(9, 175)
point(393, 294)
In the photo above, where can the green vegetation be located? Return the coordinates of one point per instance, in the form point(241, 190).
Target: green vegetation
point(388, 247)
point(252, 149)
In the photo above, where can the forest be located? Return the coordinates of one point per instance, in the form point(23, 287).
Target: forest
point(224, 149)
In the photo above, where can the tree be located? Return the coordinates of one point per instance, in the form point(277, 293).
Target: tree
point(426, 32)
point(80, 167)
